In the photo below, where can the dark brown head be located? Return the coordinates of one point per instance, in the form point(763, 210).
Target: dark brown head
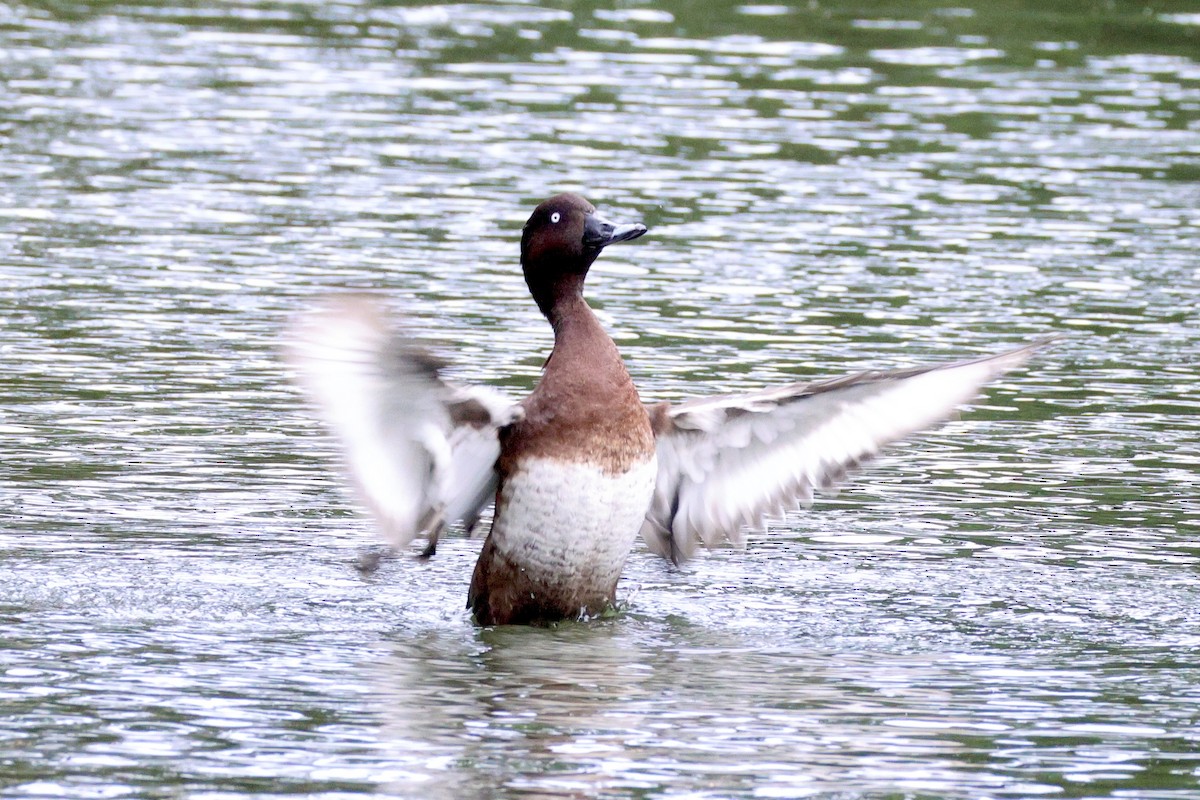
point(559, 243)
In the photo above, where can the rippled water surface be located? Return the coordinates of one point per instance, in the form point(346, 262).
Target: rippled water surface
point(1007, 607)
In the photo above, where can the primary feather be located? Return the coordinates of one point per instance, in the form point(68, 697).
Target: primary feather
point(420, 450)
point(727, 463)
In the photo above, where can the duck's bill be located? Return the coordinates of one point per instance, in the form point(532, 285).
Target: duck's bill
point(599, 232)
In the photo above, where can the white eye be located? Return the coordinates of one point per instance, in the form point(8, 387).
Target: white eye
point(555, 217)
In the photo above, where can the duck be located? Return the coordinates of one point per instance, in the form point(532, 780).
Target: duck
point(581, 468)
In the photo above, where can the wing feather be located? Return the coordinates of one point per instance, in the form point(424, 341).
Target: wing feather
point(726, 464)
point(421, 451)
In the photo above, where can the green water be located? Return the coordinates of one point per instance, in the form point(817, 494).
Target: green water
point(1007, 607)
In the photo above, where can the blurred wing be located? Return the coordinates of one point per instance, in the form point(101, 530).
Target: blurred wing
point(421, 451)
point(726, 464)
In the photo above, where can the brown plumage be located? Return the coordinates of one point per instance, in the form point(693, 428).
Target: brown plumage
point(580, 467)
point(584, 410)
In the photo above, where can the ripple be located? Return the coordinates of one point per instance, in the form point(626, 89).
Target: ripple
point(998, 608)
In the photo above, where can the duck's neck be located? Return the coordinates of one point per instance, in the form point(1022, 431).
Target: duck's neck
point(568, 310)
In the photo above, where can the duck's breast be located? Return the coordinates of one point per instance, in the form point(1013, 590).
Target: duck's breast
point(572, 523)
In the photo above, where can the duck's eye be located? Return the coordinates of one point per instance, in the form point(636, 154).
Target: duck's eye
point(555, 217)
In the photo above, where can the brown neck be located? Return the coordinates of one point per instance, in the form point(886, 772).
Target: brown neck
point(569, 310)
point(554, 289)
point(581, 345)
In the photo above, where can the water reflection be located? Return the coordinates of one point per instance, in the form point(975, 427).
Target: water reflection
point(598, 708)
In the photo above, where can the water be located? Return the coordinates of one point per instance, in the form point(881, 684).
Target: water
point(1007, 607)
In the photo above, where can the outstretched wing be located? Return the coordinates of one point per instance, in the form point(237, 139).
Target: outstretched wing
point(725, 464)
point(421, 451)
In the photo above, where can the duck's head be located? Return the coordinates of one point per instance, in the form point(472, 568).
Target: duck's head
point(562, 238)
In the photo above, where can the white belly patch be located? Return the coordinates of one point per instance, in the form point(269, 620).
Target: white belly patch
point(570, 523)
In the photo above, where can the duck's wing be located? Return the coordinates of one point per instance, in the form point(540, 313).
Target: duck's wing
point(726, 464)
point(420, 450)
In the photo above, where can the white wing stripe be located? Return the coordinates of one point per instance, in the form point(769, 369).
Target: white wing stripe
point(727, 463)
point(416, 468)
